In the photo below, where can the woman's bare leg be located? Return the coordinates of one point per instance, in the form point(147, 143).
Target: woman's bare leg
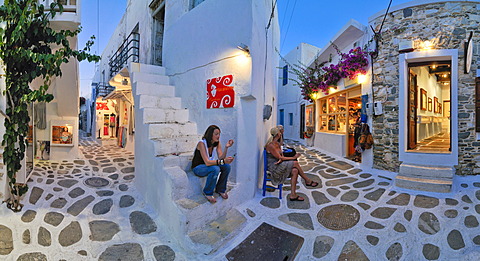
point(300, 172)
point(293, 182)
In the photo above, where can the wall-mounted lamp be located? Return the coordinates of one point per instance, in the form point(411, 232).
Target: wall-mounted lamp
point(245, 49)
point(361, 78)
point(315, 95)
point(124, 81)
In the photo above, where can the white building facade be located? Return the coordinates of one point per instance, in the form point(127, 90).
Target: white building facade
point(294, 112)
point(54, 126)
point(196, 63)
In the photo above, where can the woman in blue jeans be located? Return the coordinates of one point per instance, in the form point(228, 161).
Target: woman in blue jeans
point(210, 160)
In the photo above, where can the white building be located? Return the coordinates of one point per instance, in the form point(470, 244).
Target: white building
point(50, 120)
point(293, 109)
point(340, 104)
point(165, 54)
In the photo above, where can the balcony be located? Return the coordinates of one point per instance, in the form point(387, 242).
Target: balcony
point(69, 6)
point(103, 89)
point(70, 18)
point(126, 53)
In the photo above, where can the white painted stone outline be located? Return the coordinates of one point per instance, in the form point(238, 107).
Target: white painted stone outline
point(448, 159)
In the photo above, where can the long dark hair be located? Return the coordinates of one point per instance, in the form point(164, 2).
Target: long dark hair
point(209, 134)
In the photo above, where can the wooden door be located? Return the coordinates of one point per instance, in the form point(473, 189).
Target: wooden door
point(302, 121)
point(412, 111)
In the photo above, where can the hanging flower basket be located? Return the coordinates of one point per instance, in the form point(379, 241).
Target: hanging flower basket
point(318, 78)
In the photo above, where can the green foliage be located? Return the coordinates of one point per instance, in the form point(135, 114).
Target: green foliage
point(29, 49)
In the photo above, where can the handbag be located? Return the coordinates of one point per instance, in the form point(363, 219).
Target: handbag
point(289, 152)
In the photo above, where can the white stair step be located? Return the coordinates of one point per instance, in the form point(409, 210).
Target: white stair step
point(183, 161)
point(216, 233)
point(148, 68)
point(153, 115)
point(424, 184)
point(149, 101)
point(151, 78)
point(171, 130)
point(153, 89)
point(426, 171)
point(175, 146)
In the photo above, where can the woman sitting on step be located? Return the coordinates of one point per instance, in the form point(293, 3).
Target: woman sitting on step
point(282, 167)
point(210, 160)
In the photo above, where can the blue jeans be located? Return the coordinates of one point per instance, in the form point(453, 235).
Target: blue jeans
point(212, 172)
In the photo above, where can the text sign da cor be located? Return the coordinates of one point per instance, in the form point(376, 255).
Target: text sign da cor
point(219, 92)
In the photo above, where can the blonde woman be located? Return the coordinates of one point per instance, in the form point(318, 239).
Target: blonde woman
point(282, 167)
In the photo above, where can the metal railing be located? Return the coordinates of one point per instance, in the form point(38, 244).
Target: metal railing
point(127, 52)
point(69, 6)
point(103, 89)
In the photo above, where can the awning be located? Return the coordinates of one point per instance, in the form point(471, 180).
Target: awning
point(123, 88)
point(120, 94)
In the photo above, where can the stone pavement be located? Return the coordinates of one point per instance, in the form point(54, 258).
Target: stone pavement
point(356, 214)
point(88, 209)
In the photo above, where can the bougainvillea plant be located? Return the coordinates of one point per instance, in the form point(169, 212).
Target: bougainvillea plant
point(318, 77)
point(29, 49)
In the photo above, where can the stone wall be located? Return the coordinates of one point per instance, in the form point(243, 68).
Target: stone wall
point(449, 23)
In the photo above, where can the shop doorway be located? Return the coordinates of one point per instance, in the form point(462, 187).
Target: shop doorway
point(302, 121)
point(354, 110)
point(428, 112)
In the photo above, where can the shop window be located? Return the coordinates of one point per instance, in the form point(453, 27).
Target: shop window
point(290, 119)
point(333, 113)
point(285, 75)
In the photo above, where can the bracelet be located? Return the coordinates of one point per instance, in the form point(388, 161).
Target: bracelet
point(217, 162)
point(222, 162)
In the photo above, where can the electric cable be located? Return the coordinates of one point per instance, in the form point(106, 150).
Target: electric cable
point(288, 26)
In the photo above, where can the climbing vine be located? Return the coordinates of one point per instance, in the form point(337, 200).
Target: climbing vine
point(29, 49)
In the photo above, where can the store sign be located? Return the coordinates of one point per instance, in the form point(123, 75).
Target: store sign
point(219, 93)
point(102, 106)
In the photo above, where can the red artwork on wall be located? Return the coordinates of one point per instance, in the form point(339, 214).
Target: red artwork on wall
point(102, 106)
point(219, 93)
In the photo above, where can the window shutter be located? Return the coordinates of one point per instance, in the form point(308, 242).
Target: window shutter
point(285, 74)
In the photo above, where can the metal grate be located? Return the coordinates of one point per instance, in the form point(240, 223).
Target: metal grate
point(338, 217)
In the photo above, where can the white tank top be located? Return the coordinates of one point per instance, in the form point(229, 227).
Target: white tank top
point(214, 151)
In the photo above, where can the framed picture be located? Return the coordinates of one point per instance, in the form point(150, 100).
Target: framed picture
point(429, 104)
point(61, 133)
point(423, 99)
point(435, 104)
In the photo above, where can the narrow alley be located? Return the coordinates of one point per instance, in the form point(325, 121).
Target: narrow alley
point(89, 209)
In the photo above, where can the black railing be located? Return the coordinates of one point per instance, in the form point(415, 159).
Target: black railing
point(103, 89)
point(127, 52)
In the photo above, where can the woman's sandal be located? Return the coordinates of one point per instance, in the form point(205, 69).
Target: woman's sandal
point(211, 199)
point(224, 195)
point(297, 198)
point(312, 184)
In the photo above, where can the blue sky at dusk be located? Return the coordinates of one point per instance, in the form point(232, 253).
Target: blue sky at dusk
point(310, 21)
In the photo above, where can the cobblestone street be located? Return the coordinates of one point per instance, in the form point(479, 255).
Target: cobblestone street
point(88, 209)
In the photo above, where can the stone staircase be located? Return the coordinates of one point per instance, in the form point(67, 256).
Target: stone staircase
point(425, 178)
point(172, 140)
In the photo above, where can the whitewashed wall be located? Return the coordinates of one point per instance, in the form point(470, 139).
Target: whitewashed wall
point(289, 96)
point(210, 33)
